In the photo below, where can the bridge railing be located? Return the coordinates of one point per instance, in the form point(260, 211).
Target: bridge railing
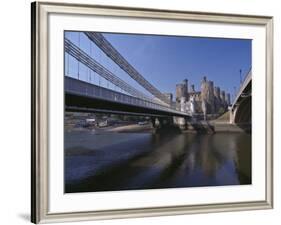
point(83, 88)
point(244, 83)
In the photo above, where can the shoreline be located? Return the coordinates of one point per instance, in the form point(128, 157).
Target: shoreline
point(198, 127)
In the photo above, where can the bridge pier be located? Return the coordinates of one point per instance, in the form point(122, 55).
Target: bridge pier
point(155, 122)
point(181, 122)
point(165, 125)
point(232, 113)
point(162, 122)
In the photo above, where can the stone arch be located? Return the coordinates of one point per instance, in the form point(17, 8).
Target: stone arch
point(243, 113)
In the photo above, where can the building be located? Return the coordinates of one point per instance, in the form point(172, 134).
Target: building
point(169, 96)
point(209, 99)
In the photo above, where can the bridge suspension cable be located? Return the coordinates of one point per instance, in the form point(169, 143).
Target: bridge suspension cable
point(111, 52)
point(85, 59)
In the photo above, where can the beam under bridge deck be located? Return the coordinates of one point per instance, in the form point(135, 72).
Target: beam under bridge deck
point(83, 96)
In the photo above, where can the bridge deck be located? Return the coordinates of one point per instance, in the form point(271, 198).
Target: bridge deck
point(83, 95)
point(243, 87)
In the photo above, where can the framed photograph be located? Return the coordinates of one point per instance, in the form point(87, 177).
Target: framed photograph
point(147, 112)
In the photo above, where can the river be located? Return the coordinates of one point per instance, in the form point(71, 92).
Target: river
point(110, 161)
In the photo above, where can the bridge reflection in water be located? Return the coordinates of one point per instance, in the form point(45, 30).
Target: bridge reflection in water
point(146, 161)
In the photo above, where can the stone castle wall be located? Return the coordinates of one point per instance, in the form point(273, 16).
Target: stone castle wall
point(215, 100)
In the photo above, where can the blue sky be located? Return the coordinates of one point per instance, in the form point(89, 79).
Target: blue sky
point(166, 60)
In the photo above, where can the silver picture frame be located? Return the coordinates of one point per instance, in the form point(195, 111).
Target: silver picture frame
point(40, 106)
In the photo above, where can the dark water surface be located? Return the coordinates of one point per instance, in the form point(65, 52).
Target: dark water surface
point(123, 161)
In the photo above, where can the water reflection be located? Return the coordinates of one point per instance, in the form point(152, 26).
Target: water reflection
point(143, 161)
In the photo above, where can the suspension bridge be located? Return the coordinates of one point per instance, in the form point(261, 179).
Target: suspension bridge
point(94, 87)
point(85, 95)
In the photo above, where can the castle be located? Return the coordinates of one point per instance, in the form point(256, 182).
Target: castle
point(209, 100)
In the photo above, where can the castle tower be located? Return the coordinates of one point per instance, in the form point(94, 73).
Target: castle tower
point(204, 89)
point(169, 96)
point(217, 99)
point(192, 88)
point(182, 90)
point(217, 92)
point(228, 99)
point(182, 95)
point(223, 99)
point(185, 83)
point(204, 92)
point(211, 99)
point(207, 94)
